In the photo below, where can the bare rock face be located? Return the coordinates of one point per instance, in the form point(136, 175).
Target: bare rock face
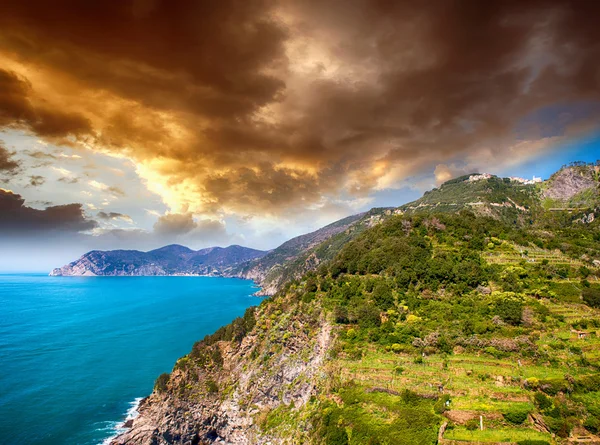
point(222, 400)
point(570, 181)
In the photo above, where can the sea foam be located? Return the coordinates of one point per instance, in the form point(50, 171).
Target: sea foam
point(119, 427)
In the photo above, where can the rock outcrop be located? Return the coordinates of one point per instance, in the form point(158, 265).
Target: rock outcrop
point(221, 392)
point(570, 181)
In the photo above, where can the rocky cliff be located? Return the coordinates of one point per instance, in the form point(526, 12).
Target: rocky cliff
point(168, 260)
point(576, 185)
point(222, 390)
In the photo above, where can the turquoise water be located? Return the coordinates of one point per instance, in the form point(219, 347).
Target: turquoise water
point(75, 353)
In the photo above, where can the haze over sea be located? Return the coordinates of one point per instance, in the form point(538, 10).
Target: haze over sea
point(75, 353)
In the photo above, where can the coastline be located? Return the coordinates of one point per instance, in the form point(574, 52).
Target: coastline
point(133, 412)
point(125, 425)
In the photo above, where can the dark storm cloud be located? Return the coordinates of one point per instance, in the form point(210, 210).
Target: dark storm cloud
point(266, 106)
point(7, 163)
point(17, 111)
point(17, 218)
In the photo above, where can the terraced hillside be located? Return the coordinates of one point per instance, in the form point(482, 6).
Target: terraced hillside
point(409, 335)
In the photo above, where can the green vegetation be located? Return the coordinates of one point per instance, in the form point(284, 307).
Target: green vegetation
point(160, 385)
point(444, 313)
point(419, 308)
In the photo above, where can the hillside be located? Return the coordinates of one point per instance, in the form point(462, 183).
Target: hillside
point(514, 199)
point(420, 328)
point(303, 253)
point(577, 186)
point(168, 260)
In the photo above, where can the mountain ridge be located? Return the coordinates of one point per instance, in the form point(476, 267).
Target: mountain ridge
point(515, 200)
point(173, 259)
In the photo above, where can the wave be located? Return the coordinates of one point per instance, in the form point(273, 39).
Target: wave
point(119, 427)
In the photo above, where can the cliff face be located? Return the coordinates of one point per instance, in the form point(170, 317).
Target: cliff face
point(168, 260)
point(566, 184)
point(220, 392)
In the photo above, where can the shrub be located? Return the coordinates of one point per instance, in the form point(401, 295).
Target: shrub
point(510, 310)
point(382, 295)
point(591, 296)
point(560, 427)
point(587, 383)
point(516, 416)
point(553, 386)
point(472, 424)
point(336, 436)
point(212, 386)
point(542, 401)
point(368, 316)
point(495, 352)
point(160, 385)
point(340, 314)
point(440, 406)
point(532, 383)
point(592, 424)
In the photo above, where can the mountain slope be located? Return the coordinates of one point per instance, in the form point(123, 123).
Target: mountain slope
point(168, 260)
point(419, 321)
point(303, 253)
point(576, 186)
point(514, 199)
point(419, 326)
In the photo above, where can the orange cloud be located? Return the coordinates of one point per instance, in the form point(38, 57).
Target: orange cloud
point(270, 107)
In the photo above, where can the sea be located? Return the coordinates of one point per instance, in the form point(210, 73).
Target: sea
point(77, 354)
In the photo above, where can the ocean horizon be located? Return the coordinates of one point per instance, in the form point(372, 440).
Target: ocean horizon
point(79, 353)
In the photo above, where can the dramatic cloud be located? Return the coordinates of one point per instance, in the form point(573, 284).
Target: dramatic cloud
point(19, 110)
point(8, 165)
point(269, 108)
point(17, 218)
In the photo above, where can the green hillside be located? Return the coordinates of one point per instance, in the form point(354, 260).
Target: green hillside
point(428, 328)
point(422, 326)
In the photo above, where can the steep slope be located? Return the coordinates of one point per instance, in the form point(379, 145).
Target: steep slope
point(168, 260)
point(573, 187)
point(484, 194)
point(303, 253)
point(416, 323)
point(419, 326)
point(576, 186)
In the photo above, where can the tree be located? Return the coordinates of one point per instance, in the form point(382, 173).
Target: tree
point(510, 310)
point(591, 296)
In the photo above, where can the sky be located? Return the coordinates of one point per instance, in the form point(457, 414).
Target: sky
point(140, 123)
